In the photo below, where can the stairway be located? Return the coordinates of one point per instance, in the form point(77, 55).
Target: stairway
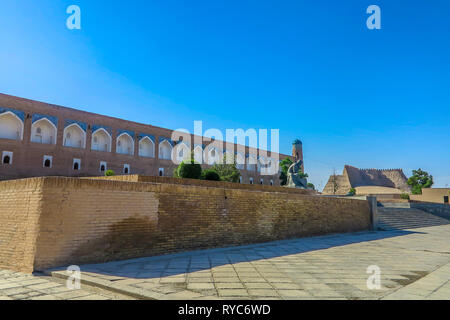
point(395, 217)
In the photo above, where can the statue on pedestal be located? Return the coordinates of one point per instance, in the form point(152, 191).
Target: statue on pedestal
point(295, 177)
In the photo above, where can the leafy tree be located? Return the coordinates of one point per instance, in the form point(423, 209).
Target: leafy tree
point(404, 196)
point(188, 169)
point(210, 174)
point(284, 165)
point(352, 192)
point(420, 179)
point(310, 185)
point(227, 171)
point(109, 173)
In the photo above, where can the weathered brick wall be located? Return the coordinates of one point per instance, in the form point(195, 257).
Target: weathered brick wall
point(28, 156)
point(88, 220)
point(204, 183)
point(435, 195)
point(20, 207)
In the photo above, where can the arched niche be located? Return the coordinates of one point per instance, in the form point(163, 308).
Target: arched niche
point(214, 156)
point(101, 140)
point(74, 136)
point(43, 131)
point(182, 152)
point(11, 126)
point(146, 148)
point(125, 144)
point(165, 150)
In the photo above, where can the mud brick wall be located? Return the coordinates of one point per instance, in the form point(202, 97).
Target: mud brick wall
point(20, 208)
point(87, 220)
point(204, 183)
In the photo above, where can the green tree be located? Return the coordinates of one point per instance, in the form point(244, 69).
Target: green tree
point(284, 165)
point(310, 185)
point(109, 173)
point(227, 171)
point(404, 196)
point(188, 169)
point(420, 179)
point(210, 174)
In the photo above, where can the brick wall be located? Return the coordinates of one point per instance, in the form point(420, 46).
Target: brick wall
point(435, 195)
point(20, 208)
point(204, 183)
point(89, 220)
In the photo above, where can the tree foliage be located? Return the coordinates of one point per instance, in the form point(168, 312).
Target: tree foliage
point(210, 174)
point(227, 171)
point(310, 185)
point(284, 165)
point(109, 173)
point(420, 179)
point(352, 192)
point(188, 169)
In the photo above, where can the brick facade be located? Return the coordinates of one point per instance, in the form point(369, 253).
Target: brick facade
point(27, 157)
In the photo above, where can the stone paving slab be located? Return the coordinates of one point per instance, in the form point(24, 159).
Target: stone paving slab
point(413, 263)
point(19, 286)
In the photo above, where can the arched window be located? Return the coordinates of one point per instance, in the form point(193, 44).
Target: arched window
point(251, 180)
point(165, 150)
point(76, 164)
point(125, 144)
point(43, 131)
point(11, 126)
point(74, 136)
point(7, 157)
point(101, 140)
point(47, 162)
point(146, 148)
point(161, 172)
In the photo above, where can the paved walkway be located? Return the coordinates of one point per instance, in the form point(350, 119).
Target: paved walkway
point(20, 286)
point(414, 264)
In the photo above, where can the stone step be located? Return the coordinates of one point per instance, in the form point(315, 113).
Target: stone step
point(392, 218)
point(394, 205)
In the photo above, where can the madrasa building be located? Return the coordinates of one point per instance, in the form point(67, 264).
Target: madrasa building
point(41, 139)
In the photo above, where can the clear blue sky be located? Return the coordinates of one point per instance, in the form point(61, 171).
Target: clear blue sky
point(368, 98)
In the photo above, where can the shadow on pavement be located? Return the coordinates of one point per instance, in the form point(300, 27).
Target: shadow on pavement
point(193, 261)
